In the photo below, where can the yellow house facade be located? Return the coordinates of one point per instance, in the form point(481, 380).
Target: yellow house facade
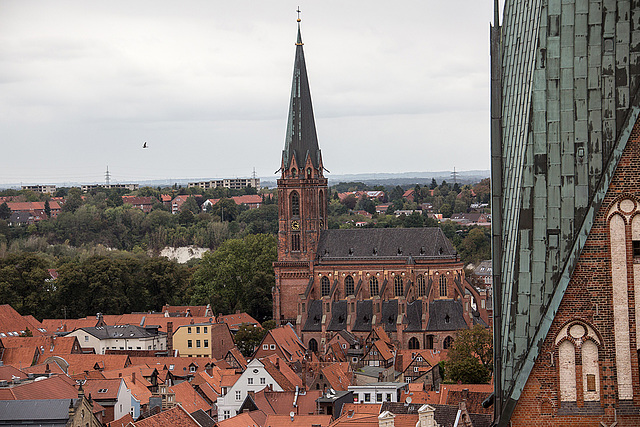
point(193, 340)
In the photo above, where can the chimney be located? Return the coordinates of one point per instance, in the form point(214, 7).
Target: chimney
point(133, 377)
point(380, 377)
point(47, 370)
point(208, 368)
point(169, 338)
point(119, 374)
point(399, 362)
point(191, 322)
point(188, 314)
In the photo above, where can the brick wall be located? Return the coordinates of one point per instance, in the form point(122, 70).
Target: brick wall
point(589, 300)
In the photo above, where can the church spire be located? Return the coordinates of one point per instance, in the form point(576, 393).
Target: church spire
point(301, 141)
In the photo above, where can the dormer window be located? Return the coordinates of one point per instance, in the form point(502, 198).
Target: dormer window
point(350, 251)
point(400, 250)
point(308, 173)
point(447, 319)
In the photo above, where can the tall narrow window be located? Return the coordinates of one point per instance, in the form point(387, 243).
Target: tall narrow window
point(443, 286)
point(295, 204)
point(295, 241)
point(308, 173)
point(325, 286)
point(397, 282)
point(567, 370)
point(321, 204)
point(421, 287)
point(348, 285)
point(373, 286)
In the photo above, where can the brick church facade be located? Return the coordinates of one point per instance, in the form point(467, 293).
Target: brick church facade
point(565, 203)
point(409, 281)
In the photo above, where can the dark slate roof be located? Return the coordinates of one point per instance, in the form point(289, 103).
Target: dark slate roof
point(45, 412)
point(338, 316)
point(124, 331)
point(389, 315)
point(395, 243)
point(477, 320)
point(314, 316)
point(446, 315)
point(364, 314)
point(414, 316)
point(203, 419)
point(301, 139)
point(348, 337)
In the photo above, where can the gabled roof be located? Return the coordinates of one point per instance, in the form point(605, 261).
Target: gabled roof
point(118, 331)
point(286, 338)
point(337, 375)
point(175, 416)
point(56, 387)
point(7, 373)
point(281, 373)
point(298, 420)
point(234, 321)
point(122, 421)
point(46, 346)
point(446, 315)
point(281, 402)
point(388, 243)
point(14, 324)
point(188, 397)
point(50, 412)
point(79, 363)
point(245, 419)
point(102, 389)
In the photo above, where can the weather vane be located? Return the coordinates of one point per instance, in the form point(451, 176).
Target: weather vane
point(298, 10)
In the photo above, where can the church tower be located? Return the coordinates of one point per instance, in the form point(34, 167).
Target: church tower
point(302, 192)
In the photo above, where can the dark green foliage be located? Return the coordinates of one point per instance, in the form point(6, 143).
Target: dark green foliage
point(470, 358)
point(238, 276)
point(47, 209)
point(5, 211)
point(247, 338)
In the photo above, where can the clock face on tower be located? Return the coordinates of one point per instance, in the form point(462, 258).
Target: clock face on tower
point(295, 225)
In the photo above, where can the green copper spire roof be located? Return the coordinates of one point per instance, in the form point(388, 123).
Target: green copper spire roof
point(301, 140)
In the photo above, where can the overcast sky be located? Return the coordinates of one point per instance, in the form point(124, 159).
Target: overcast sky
point(396, 87)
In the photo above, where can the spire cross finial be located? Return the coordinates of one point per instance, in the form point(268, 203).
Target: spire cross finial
point(298, 10)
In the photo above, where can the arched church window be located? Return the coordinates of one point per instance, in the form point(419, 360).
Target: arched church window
point(398, 288)
point(414, 344)
point(443, 286)
point(567, 370)
point(295, 204)
point(294, 173)
point(428, 342)
point(447, 342)
point(313, 345)
point(373, 286)
point(321, 204)
point(421, 285)
point(348, 285)
point(325, 286)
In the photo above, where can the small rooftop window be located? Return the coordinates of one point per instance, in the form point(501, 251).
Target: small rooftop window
point(103, 390)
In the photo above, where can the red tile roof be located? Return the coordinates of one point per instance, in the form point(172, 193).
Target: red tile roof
point(189, 398)
point(281, 372)
point(56, 387)
point(12, 323)
point(110, 388)
point(20, 357)
point(121, 422)
point(7, 373)
point(298, 420)
point(245, 419)
point(175, 416)
point(234, 321)
point(79, 363)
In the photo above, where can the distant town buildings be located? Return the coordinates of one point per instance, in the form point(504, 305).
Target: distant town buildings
point(45, 189)
point(89, 187)
point(231, 183)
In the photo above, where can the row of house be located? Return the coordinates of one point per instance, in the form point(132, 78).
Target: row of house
point(131, 374)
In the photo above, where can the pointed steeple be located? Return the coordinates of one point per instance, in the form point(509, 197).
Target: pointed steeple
point(301, 141)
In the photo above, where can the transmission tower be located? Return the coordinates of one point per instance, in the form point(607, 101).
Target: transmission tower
point(107, 177)
point(454, 176)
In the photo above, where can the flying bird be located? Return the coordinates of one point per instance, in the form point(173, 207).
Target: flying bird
point(145, 145)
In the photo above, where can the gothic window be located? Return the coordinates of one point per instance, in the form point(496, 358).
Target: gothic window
point(348, 285)
point(294, 172)
point(447, 342)
point(397, 282)
point(308, 173)
point(295, 204)
point(443, 286)
point(295, 241)
point(567, 370)
point(421, 287)
point(414, 344)
point(313, 345)
point(428, 342)
point(373, 286)
point(321, 204)
point(325, 286)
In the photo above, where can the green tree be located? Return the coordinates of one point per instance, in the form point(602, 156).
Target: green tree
point(238, 276)
point(190, 205)
point(350, 201)
point(225, 209)
point(476, 245)
point(247, 338)
point(5, 211)
point(73, 200)
point(446, 210)
point(396, 194)
point(434, 184)
point(47, 208)
point(470, 358)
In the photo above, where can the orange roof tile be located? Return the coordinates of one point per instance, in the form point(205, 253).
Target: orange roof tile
point(56, 387)
point(7, 373)
point(121, 422)
point(362, 408)
point(79, 363)
point(109, 387)
point(337, 375)
point(245, 419)
point(235, 320)
point(354, 419)
point(42, 368)
point(286, 338)
point(298, 420)
point(281, 372)
point(181, 365)
point(189, 398)
point(12, 323)
point(281, 402)
point(176, 416)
